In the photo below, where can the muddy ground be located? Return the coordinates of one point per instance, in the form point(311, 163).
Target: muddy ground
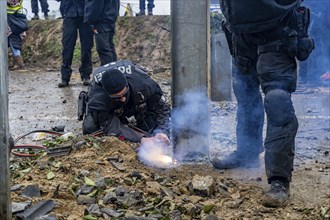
point(131, 189)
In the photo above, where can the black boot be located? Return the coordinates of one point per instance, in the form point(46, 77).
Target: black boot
point(150, 11)
point(63, 84)
point(278, 194)
point(35, 17)
point(86, 82)
point(141, 13)
point(46, 16)
point(235, 160)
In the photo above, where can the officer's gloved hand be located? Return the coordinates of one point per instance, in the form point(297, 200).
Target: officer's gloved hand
point(159, 138)
point(163, 138)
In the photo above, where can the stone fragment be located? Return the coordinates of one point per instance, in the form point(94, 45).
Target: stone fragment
point(120, 191)
point(94, 209)
point(40, 209)
point(15, 188)
point(85, 189)
point(111, 212)
point(211, 217)
point(83, 173)
point(19, 206)
point(153, 188)
point(85, 200)
point(167, 192)
point(174, 215)
point(79, 144)
point(128, 181)
point(203, 185)
point(110, 198)
point(131, 199)
point(191, 209)
point(117, 166)
point(31, 191)
point(136, 174)
point(47, 217)
point(139, 218)
point(101, 183)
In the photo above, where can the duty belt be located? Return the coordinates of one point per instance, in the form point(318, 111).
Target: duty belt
point(270, 48)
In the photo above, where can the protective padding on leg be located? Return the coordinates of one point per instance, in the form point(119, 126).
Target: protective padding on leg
point(89, 125)
point(278, 106)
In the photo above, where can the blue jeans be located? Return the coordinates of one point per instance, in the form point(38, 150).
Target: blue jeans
point(16, 52)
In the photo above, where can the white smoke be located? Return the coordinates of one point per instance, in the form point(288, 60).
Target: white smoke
point(156, 154)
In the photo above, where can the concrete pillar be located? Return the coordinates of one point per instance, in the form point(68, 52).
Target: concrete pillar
point(190, 35)
point(221, 85)
point(5, 204)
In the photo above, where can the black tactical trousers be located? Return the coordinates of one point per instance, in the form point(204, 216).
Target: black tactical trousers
point(110, 124)
point(276, 72)
point(143, 5)
point(35, 7)
point(105, 46)
point(71, 27)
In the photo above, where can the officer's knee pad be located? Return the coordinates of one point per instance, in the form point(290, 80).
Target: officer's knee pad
point(278, 106)
point(89, 125)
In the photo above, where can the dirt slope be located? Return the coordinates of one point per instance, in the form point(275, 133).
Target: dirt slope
point(143, 40)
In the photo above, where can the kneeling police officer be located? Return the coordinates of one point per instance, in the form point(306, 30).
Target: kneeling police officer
point(122, 91)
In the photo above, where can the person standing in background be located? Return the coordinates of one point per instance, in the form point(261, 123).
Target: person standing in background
point(73, 22)
point(35, 9)
point(15, 40)
point(143, 7)
point(102, 16)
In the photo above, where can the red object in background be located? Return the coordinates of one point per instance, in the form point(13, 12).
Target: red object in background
point(121, 137)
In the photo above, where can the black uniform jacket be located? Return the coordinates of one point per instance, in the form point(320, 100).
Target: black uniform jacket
point(141, 86)
point(252, 16)
point(102, 14)
point(72, 8)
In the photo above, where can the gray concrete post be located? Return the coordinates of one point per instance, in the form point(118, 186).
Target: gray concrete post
point(190, 35)
point(221, 87)
point(5, 204)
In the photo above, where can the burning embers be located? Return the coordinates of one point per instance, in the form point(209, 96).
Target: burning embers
point(157, 151)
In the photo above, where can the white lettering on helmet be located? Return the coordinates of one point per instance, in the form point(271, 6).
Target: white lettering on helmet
point(124, 69)
point(98, 77)
point(121, 69)
point(129, 69)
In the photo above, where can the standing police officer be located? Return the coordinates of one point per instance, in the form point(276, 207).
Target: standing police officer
point(265, 38)
point(119, 91)
point(102, 16)
point(35, 9)
point(73, 21)
point(143, 7)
